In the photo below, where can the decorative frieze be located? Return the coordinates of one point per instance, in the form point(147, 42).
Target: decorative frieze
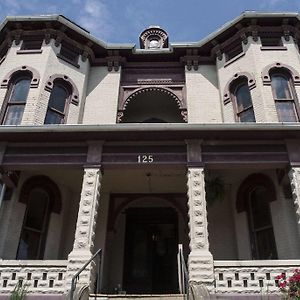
point(200, 259)
point(294, 175)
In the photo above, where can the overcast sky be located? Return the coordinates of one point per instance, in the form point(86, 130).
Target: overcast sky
point(121, 21)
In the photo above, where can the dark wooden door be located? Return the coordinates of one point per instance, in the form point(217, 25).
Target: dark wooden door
point(150, 251)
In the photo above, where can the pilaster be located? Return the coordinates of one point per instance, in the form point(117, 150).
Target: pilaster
point(85, 228)
point(294, 175)
point(201, 269)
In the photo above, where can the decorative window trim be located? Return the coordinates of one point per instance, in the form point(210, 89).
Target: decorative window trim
point(34, 81)
point(249, 184)
point(251, 83)
point(74, 91)
point(45, 183)
point(266, 78)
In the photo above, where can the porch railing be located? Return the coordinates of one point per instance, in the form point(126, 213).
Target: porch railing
point(38, 277)
point(76, 276)
point(251, 277)
point(183, 275)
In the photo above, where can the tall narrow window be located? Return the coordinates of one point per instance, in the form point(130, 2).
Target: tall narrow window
point(33, 235)
point(260, 223)
point(284, 97)
point(243, 102)
point(58, 104)
point(12, 111)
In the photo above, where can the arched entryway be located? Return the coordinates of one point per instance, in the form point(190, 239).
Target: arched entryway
point(152, 105)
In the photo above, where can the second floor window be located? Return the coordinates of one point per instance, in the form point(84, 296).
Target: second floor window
point(284, 97)
point(58, 103)
point(243, 102)
point(16, 98)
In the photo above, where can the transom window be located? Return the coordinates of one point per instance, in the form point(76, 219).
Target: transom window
point(33, 235)
point(16, 98)
point(284, 97)
point(58, 104)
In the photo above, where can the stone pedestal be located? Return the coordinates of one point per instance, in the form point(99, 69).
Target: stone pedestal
point(85, 229)
point(201, 269)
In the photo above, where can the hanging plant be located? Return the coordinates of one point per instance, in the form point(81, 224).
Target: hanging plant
point(214, 189)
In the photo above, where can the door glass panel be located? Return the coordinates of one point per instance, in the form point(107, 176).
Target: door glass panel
point(29, 245)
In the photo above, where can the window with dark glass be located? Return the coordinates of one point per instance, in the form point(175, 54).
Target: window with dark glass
point(235, 49)
point(33, 235)
point(32, 43)
point(271, 41)
point(284, 96)
point(243, 102)
point(14, 105)
point(69, 53)
point(263, 244)
point(58, 104)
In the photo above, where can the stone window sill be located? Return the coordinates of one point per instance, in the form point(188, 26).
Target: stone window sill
point(234, 59)
point(73, 63)
point(273, 48)
point(33, 51)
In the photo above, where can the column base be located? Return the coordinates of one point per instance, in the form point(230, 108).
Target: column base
point(201, 269)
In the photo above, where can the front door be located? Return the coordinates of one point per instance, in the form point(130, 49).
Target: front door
point(150, 251)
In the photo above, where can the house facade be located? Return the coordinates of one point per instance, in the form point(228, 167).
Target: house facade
point(136, 150)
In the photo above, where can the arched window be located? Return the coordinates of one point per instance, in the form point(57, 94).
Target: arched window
point(254, 197)
point(33, 236)
point(16, 97)
point(41, 196)
point(58, 103)
point(242, 99)
point(284, 96)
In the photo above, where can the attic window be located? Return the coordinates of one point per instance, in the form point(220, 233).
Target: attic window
point(234, 51)
point(69, 54)
point(271, 41)
point(32, 43)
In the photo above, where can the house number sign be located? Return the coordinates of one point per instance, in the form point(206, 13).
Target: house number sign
point(145, 159)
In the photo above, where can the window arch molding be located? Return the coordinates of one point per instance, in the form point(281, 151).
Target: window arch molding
point(234, 80)
point(74, 94)
point(46, 184)
point(278, 67)
point(249, 184)
point(35, 76)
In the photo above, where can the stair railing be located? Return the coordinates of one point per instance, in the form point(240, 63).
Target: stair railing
point(75, 278)
point(183, 275)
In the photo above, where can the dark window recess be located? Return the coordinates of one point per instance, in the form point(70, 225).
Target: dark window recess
point(233, 51)
point(69, 53)
point(32, 44)
point(271, 41)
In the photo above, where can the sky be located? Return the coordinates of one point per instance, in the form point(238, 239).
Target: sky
point(121, 21)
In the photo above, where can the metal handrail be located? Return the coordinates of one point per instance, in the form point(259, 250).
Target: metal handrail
point(76, 276)
point(183, 275)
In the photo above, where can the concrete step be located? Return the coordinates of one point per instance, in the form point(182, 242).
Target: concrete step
point(137, 297)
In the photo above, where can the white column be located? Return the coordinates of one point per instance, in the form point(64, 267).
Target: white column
point(85, 227)
point(201, 269)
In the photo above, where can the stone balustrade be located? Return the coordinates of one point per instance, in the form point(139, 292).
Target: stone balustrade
point(38, 277)
point(251, 277)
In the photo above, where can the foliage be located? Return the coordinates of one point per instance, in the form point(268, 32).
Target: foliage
point(19, 292)
point(214, 189)
point(290, 286)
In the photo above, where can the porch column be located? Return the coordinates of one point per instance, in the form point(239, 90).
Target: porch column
point(201, 269)
point(86, 223)
point(294, 175)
